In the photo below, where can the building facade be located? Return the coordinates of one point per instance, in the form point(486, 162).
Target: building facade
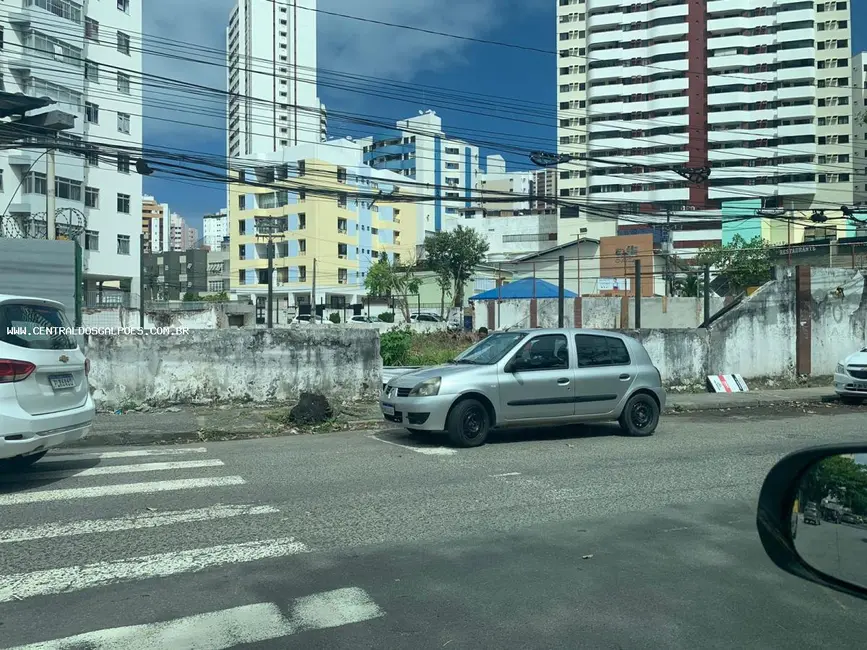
point(80, 55)
point(157, 235)
point(859, 99)
point(442, 168)
point(330, 223)
point(772, 117)
point(271, 56)
point(215, 229)
point(175, 275)
point(182, 235)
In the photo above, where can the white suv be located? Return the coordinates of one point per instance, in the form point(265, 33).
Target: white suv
point(44, 395)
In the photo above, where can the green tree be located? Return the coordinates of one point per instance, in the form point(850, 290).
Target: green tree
point(839, 477)
point(744, 263)
point(436, 252)
point(216, 297)
point(458, 253)
point(393, 281)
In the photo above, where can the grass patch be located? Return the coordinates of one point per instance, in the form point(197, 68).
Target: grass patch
point(403, 347)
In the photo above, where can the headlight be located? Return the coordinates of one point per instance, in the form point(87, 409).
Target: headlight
point(841, 369)
point(427, 388)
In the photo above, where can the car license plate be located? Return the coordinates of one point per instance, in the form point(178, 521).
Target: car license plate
point(59, 382)
point(388, 409)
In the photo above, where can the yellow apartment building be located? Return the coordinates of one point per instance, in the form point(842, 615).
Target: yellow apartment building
point(332, 217)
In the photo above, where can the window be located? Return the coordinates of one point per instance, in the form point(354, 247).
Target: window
point(123, 43)
point(123, 5)
point(341, 174)
point(123, 244)
point(91, 197)
point(302, 246)
point(64, 8)
point(302, 221)
point(91, 240)
point(596, 351)
point(546, 352)
point(302, 274)
point(123, 203)
point(341, 200)
point(123, 163)
point(91, 155)
point(123, 81)
point(91, 113)
point(66, 188)
point(342, 251)
point(91, 29)
point(123, 122)
point(342, 226)
point(91, 71)
point(342, 276)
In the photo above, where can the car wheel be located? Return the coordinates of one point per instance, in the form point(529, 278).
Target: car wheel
point(640, 416)
point(21, 462)
point(468, 423)
point(853, 401)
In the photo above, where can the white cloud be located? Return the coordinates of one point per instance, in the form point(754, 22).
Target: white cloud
point(347, 46)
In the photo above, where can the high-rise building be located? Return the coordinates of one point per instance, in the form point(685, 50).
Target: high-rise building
point(272, 97)
point(324, 205)
point(183, 236)
point(441, 167)
point(215, 229)
point(80, 54)
point(756, 91)
point(545, 186)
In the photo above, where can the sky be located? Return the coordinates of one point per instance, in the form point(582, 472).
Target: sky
point(431, 65)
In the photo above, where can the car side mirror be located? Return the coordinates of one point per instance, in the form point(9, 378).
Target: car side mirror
point(512, 366)
point(812, 516)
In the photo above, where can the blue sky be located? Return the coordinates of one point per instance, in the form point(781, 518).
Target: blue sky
point(378, 51)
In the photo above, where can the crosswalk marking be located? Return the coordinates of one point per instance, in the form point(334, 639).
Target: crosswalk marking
point(230, 627)
point(131, 522)
point(76, 578)
point(137, 453)
point(149, 487)
point(110, 469)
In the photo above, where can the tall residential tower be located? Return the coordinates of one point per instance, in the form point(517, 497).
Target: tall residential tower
point(757, 90)
point(272, 101)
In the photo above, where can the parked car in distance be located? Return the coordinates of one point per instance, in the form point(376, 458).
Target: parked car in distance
point(361, 319)
point(307, 319)
point(850, 378)
point(44, 394)
point(422, 317)
point(531, 378)
point(811, 516)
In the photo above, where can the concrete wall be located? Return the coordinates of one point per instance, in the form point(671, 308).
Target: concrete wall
point(599, 312)
point(39, 268)
point(210, 316)
point(238, 364)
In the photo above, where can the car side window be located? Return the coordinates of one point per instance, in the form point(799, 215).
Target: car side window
point(546, 352)
point(595, 351)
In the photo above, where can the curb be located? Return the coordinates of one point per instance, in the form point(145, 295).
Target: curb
point(759, 402)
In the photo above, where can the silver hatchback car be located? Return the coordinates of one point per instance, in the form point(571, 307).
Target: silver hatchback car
point(529, 378)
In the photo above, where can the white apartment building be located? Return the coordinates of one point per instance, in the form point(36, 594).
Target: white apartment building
point(271, 80)
point(545, 186)
point(182, 236)
point(81, 55)
point(215, 228)
point(772, 119)
point(859, 95)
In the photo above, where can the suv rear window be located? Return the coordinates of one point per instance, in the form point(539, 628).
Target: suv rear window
point(19, 325)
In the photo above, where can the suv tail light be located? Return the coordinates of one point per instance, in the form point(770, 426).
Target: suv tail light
point(86, 367)
point(12, 371)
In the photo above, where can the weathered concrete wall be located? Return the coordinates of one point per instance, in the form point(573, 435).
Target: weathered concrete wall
point(214, 316)
point(236, 364)
point(600, 312)
point(39, 268)
point(838, 327)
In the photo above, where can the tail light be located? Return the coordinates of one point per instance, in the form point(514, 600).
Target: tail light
point(12, 371)
point(86, 367)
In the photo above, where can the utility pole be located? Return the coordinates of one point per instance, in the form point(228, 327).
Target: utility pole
point(667, 251)
point(313, 295)
point(51, 195)
point(706, 295)
point(269, 235)
point(561, 294)
point(638, 294)
point(141, 281)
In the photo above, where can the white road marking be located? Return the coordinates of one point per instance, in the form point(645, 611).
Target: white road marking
point(109, 469)
point(506, 474)
point(149, 487)
point(427, 451)
point(76, 578)
point(131, 522)
point(230, 627)
point(135, 453)
point(334, 609)
point(212, 631)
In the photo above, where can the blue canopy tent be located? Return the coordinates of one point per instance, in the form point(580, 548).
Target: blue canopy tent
point(523, 290)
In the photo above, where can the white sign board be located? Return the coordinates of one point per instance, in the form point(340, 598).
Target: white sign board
point(613, 284)
point(727, 384)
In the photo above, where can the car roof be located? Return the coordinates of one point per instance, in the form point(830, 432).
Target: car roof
point(7, 297)
point(565, 330)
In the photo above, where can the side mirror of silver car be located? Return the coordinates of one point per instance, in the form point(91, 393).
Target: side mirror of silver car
point(812, 516)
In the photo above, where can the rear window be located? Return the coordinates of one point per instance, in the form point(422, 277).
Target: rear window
point(596, 350)
point(36, 327)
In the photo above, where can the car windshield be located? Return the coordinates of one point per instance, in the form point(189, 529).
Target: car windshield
point(37, 327)
point(490, 349)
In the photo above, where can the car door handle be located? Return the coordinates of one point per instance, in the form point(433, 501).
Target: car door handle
point(624, 376)
point(563, 382)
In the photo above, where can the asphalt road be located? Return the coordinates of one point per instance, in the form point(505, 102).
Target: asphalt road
point(575, 538)
point(839, 550)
